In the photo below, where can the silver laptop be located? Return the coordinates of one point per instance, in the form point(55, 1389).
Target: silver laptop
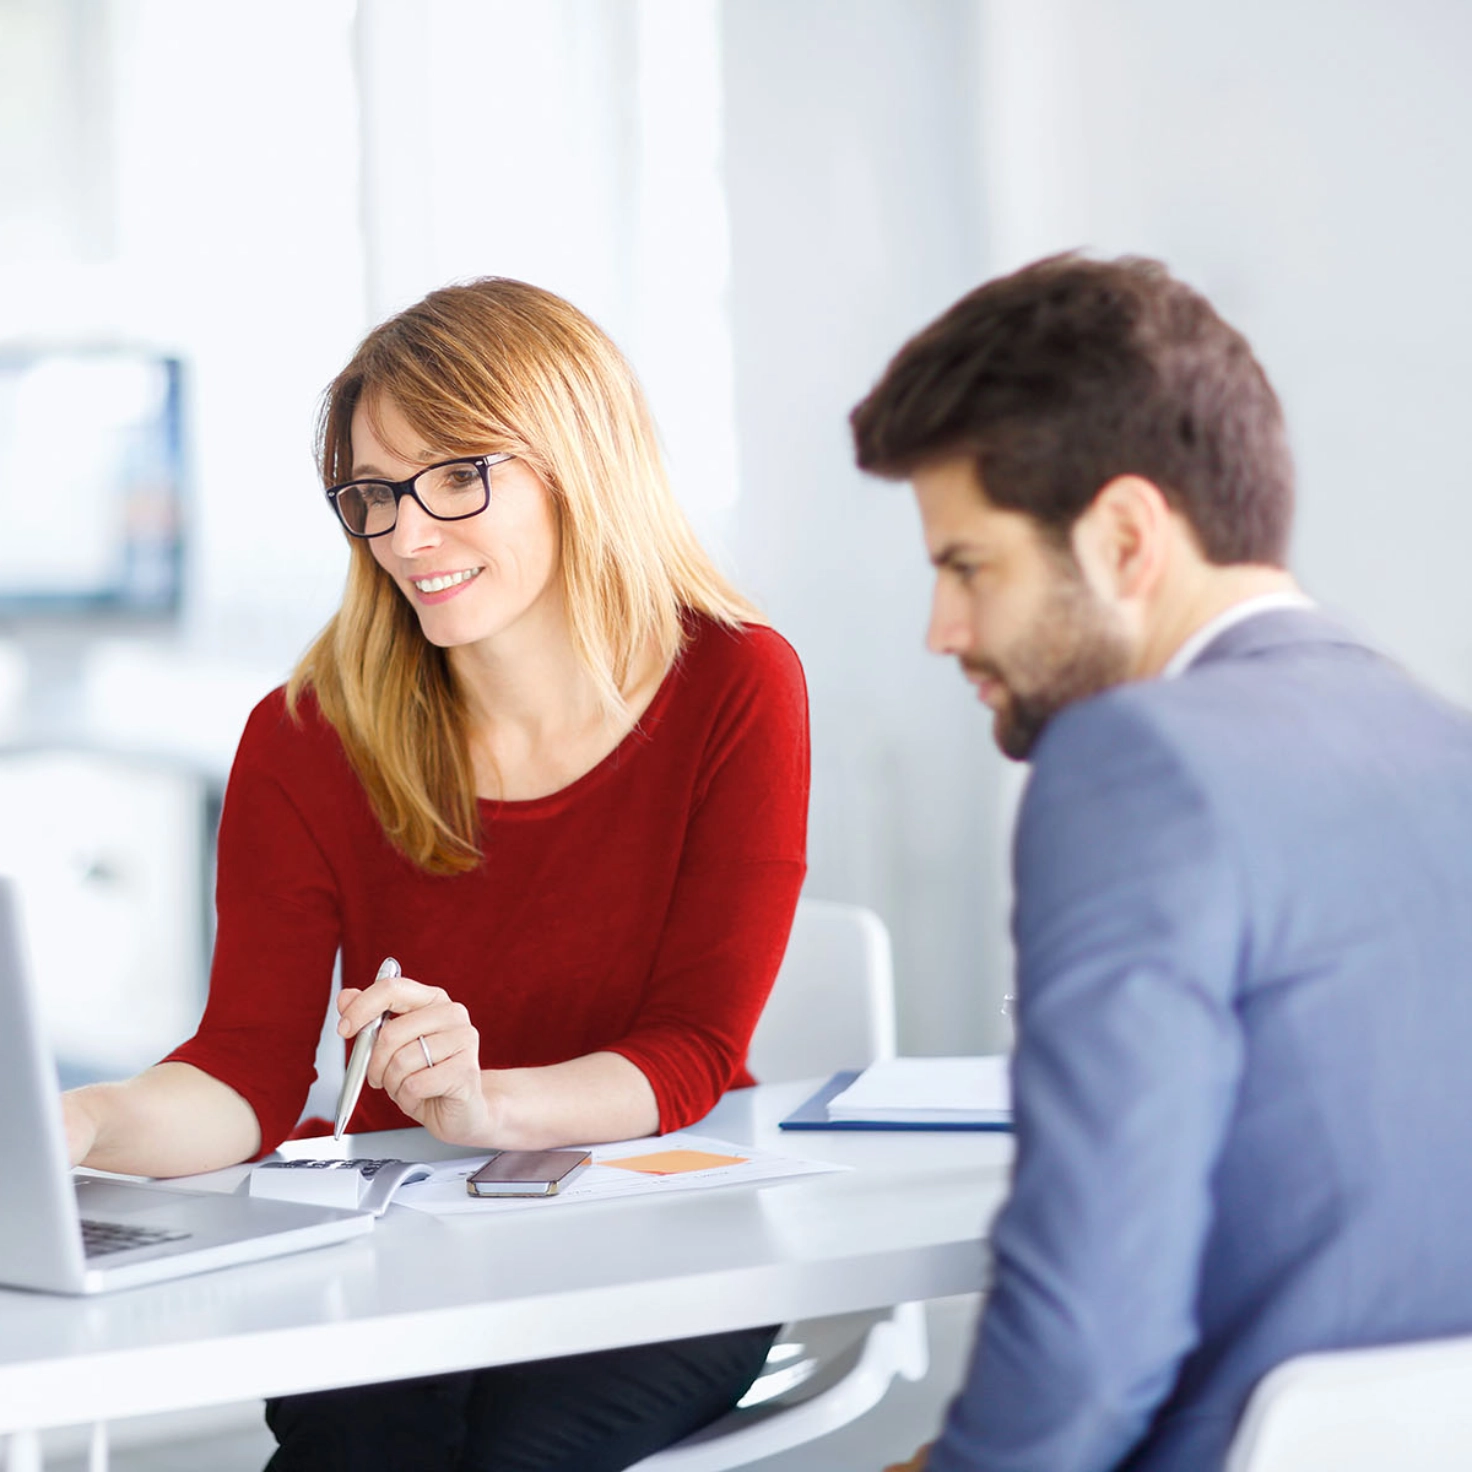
point(94, 1234)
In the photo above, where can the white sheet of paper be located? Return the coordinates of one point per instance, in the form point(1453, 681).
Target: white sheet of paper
point(444, 1194)
point(934, 1088)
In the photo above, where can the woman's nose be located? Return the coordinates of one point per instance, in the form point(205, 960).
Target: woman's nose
point(415, 531)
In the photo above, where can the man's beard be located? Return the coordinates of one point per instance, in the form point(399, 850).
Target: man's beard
point(1075, 649)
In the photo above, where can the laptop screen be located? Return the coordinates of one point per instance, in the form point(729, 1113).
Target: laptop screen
point(40, 1239)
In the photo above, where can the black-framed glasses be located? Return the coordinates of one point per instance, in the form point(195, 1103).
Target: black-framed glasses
point(449, 491)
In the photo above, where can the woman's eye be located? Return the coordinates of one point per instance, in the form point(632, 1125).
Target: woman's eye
point(459, 480)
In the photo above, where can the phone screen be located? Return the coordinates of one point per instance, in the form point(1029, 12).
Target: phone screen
point(527, 1172)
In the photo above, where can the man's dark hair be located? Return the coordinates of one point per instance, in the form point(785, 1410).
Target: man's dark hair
point(1073, 371)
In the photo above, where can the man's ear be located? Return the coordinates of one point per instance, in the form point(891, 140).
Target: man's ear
point(1122, 539)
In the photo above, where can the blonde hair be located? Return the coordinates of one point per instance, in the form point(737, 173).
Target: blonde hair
point(483, 367)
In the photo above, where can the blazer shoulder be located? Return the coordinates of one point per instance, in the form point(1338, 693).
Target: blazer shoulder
point(1123, 720)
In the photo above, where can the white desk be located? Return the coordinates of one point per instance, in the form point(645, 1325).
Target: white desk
point(422, 1295)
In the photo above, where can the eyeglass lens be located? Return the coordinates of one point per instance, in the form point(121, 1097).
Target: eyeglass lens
point(371, 507)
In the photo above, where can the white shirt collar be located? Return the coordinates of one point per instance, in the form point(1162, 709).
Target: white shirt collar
point(1185, 656)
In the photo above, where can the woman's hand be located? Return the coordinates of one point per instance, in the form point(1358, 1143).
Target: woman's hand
point(81, 1127)
point(426, 1057)
point(600, 1096)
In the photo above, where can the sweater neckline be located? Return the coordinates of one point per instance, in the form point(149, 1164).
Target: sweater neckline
point(639, 735)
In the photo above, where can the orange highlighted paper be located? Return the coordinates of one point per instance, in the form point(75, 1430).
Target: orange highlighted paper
point(674, 1162)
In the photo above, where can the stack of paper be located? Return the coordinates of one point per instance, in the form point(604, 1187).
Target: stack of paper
point(936, 1091)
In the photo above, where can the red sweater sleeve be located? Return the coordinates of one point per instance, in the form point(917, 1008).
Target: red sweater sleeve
point(740, 871)
point(276, 939)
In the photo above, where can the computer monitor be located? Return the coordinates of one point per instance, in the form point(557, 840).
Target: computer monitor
point(91, 503)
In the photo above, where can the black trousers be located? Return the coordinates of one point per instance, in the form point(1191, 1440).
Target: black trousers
point(585, 1413)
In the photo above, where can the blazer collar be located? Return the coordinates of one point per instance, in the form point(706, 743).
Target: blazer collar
point(1274, 629)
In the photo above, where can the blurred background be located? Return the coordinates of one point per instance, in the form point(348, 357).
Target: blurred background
point(204, 206)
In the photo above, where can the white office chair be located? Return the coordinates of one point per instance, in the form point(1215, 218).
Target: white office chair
point(1362, 1410)
point(832, 1007)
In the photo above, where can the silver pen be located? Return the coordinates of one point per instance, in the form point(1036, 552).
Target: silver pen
point(352, 1080)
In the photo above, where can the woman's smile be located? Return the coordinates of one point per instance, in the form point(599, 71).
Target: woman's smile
point(438, 587)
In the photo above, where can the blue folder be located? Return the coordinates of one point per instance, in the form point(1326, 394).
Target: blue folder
point(813, 1115)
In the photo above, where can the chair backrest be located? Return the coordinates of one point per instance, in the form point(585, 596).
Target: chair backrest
point(1362, 1410)
point(832, 1005)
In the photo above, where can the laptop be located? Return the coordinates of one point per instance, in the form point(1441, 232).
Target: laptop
point(93, 1234)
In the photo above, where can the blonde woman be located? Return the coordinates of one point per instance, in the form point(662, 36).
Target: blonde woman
point(548, 758)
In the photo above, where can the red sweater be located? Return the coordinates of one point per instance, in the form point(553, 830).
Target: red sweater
point(642, 910)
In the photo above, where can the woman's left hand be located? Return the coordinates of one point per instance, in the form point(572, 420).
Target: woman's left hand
point(426, 1057)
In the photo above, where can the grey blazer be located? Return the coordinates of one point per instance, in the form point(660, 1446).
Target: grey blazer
point(1243, 1080)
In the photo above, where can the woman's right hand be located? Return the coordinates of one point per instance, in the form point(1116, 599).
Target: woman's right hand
point(427, 1060)
point(426, 1057)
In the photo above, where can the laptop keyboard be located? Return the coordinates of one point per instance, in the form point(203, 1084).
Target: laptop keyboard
point(99, 1238)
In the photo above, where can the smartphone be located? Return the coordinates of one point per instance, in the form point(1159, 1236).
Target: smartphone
point(527, 1172)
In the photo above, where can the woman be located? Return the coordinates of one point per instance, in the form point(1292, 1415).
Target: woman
point(546, 757)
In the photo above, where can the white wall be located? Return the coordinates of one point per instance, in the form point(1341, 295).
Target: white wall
point(1308, 164)
point(852, 177)
point(583, 155)
point(760, 199)
point(230, 237)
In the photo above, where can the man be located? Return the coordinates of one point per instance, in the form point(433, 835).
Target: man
point(1243, 871)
